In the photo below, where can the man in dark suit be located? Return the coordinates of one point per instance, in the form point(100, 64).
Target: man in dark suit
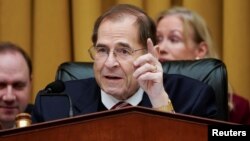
point(127, 69)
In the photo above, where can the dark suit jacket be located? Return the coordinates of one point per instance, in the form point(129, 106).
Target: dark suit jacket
point(188, 96)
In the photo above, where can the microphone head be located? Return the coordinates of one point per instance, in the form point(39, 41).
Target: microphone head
point(55, 87)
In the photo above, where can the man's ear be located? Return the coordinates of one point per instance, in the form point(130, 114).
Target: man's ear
point(202, 50)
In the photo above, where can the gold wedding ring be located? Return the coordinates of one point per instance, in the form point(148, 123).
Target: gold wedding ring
point(155, 68)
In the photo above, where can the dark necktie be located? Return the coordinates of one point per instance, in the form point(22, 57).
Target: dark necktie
point(120, 105)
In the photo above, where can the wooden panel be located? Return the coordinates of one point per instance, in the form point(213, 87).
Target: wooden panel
point(127, 124)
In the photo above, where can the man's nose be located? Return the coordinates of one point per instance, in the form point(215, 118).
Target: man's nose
point(9, 94)
point(111, 60)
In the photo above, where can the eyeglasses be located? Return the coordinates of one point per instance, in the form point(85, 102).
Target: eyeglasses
point(121, 53)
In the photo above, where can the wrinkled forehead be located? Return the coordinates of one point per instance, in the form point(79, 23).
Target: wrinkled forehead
point(121, 18)
point(118, 33)
point(124, 26)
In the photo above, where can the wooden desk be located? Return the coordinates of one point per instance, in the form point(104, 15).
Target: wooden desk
point(128, 124)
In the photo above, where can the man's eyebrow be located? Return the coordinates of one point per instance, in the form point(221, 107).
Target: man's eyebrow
point(100, 45)
point(124, 45)
point(121, 44)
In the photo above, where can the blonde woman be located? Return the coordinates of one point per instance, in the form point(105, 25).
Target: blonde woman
point(182, 34)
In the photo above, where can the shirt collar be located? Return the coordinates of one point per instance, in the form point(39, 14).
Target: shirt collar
point(109, 101)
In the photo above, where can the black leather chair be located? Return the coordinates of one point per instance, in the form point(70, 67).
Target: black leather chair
point(74, 70)
point(210, 71)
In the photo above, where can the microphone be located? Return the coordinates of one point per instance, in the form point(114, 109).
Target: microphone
point(55, 89)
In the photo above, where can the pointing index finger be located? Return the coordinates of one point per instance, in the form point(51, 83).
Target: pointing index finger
point(151, 48)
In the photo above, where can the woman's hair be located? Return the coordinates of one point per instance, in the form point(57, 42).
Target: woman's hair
point(197, 24)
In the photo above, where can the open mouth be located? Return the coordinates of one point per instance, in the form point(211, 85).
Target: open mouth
point(113, 77)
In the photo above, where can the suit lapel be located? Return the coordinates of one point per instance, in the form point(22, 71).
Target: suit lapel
point(145, 102)
point(88, 101)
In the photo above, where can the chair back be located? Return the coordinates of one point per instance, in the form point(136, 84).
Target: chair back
point(210, 71)
point(74, 70)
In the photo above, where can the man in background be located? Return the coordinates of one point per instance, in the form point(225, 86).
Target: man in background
point(15, 83)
